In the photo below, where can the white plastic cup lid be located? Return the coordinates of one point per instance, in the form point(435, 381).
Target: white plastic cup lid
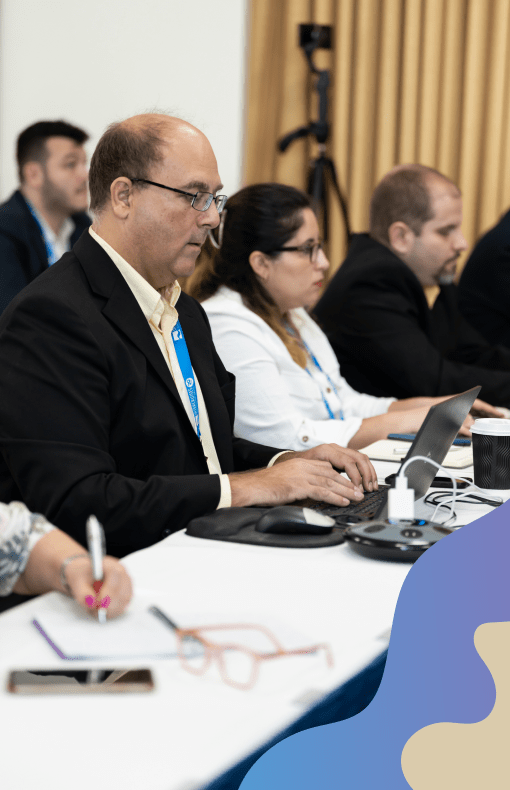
point(491, 426)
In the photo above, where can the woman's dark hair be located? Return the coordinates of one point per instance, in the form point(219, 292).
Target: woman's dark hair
point(261, 217)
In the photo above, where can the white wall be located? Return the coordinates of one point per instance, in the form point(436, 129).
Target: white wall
point(92, 62)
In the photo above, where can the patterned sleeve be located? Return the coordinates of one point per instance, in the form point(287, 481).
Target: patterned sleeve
point(19, 532)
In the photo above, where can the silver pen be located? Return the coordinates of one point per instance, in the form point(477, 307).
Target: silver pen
point(97, 548)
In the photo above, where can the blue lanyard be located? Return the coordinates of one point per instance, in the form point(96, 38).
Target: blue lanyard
point(318, 366)
point(181, 350)
point(51, 255)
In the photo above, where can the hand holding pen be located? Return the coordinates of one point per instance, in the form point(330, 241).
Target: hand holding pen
point(96, 581)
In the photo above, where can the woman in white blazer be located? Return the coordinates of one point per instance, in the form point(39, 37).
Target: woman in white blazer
point(268, 268)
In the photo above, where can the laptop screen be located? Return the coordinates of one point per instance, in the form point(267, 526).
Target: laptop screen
point(435, 437)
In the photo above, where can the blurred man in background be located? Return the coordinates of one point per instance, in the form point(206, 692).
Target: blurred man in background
point(45, 216)
point(388, 339)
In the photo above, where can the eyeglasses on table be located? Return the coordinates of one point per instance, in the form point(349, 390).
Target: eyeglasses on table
point(238, 665)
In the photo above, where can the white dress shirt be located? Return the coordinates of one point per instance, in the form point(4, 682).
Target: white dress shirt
point(277, 401)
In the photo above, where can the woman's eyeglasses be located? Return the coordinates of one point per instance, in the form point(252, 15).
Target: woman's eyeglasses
point(308, 249)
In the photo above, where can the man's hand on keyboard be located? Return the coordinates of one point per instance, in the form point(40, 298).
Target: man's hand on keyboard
point(356, 465)
point(313, 473)
point(292, 479)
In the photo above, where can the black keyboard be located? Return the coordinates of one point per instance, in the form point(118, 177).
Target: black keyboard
point(367, 509)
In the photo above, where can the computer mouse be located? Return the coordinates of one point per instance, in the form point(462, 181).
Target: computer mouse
point(291, 520)
point(395, 539)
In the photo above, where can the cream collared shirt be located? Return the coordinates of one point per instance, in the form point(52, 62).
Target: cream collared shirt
point(153, 305)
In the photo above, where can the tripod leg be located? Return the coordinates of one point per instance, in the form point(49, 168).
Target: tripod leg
point(324, 198)
point(316, 185)
point(330, 166)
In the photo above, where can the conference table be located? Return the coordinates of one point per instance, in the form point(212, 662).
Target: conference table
point(190, 731)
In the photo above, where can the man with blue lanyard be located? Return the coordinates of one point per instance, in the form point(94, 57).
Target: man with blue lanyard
point(113, 400)
point(45, 216)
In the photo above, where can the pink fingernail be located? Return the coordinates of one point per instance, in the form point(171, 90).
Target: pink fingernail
point(89, 600)
point(105, 603)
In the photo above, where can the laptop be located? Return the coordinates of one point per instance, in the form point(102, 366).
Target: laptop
point(433, 440)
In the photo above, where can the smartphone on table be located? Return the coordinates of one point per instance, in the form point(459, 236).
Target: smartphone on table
point(92, 680)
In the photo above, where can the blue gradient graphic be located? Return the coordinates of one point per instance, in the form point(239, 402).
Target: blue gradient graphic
point(433, 672)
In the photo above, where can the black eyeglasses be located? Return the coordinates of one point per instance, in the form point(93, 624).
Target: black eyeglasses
point(201, 200)
point(309, 249)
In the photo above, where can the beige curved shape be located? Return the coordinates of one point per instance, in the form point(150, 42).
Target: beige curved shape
point(447, 756)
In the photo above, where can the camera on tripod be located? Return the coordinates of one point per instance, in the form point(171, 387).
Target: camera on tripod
point(311, 38)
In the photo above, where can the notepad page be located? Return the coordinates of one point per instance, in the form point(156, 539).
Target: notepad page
point(74, 634)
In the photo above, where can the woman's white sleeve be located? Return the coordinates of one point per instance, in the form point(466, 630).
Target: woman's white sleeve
point(265, 412)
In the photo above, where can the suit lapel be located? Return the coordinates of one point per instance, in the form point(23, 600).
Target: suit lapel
point(199, 351)
point(200, 355)
point(131, 321)
point(123, 310)
point(121, 307)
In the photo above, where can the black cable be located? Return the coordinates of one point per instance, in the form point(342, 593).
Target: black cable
point(436, 498)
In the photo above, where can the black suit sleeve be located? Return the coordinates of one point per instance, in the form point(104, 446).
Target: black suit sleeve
point(484, 289)
point(56, 415)
point(381, 328)
point(474, 349)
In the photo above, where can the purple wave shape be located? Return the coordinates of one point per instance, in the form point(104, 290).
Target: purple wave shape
point(433, 672)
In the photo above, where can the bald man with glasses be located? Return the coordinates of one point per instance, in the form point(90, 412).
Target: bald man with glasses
point(113, 400)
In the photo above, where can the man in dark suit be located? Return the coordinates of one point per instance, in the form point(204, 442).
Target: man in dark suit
point(388, 339)
point(45, 216)
point(484, 287)
point(113, 400)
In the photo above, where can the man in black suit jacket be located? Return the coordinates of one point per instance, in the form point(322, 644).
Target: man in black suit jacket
point(45, 216)
point(387, 338)
point(484, 287)
point(94, 409)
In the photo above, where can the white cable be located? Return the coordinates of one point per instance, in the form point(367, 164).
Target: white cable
point(448, 521)
point(447, 503)
point(434, 463)
point(453, 478)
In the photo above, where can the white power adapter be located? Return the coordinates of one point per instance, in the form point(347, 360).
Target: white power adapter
point(401, 500)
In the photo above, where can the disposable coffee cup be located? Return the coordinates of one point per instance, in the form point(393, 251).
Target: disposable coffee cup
point(491, 453)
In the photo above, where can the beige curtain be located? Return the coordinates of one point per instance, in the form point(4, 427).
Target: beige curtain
point(413, 81)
